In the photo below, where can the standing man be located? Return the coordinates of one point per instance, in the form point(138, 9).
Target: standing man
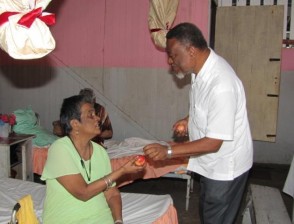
point(220, 146)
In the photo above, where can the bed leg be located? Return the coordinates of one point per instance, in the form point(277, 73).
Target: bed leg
point(188, 192)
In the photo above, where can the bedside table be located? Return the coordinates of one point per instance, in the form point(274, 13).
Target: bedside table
point(23, 141)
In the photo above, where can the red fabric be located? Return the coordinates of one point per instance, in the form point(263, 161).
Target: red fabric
point(5, 15)
point(39, 159)
point(169, 217)
point(48, 19)
point(28, 18)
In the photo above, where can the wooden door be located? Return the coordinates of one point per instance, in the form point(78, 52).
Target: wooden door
point(250, 39)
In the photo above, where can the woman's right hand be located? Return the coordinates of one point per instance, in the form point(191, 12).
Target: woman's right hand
point(131, 167)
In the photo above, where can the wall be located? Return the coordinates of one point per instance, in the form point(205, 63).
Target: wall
point(106, 45)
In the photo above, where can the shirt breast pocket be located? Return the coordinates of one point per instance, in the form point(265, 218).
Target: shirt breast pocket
point(200, 119)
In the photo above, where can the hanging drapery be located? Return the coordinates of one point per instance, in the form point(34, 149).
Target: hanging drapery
point(24, 33)
point(161, 17)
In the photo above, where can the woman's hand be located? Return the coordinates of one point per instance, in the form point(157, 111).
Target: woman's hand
point(131, 167)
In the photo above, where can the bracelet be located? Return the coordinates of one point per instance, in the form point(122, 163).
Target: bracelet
point(169, 151)
point(108, 182)
point(118, 222)
point(105, 183)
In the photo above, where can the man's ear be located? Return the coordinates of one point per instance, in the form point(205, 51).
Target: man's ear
point(192, 51)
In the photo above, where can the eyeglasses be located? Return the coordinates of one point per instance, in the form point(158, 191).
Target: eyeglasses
point(91, 114)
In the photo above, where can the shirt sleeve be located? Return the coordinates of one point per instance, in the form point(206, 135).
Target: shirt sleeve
point(60, 160)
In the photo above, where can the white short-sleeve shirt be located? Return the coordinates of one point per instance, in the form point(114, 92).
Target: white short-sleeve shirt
point(218, 110)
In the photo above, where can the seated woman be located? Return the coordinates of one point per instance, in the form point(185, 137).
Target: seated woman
point(80, 187)
point(105, 123)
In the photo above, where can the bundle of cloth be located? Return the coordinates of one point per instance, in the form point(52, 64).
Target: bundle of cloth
point(24, 33)
point(27, 123)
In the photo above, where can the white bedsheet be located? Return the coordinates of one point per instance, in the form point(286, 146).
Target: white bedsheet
point(137, 208)
point(132, 146)
point(289, 184)
point(144, 208)
point(128, 147)
point(12, 190)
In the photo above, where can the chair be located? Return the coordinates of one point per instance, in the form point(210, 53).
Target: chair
point(13, 215)
point(23, 211)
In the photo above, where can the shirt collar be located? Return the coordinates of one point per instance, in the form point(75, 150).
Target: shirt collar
point(202, 74)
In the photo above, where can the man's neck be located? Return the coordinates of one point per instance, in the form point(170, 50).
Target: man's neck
point(201, 59)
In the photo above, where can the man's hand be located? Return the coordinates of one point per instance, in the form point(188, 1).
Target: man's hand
point(180, 128)
point(155, 151)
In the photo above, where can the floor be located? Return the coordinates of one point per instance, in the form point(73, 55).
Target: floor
point(262, 174)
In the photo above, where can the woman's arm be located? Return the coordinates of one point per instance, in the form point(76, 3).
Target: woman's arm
point(76, 185)
point(114, 201)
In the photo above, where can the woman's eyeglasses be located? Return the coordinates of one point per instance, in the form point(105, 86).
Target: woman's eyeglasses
point(91, 114)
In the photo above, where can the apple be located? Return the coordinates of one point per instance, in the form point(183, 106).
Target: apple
point(140, 160)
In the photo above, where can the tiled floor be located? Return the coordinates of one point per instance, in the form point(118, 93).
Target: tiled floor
point(262, 174)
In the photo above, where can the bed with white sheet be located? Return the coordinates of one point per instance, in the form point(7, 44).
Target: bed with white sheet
point(137, 208)
point(120, 152)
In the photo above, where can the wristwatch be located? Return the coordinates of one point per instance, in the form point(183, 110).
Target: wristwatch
point(169, 151)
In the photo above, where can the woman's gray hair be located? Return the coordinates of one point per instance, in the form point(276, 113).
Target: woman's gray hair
point(70, 110)
point(88, 93)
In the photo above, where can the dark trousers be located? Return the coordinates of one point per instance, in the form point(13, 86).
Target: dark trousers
point(220, 200)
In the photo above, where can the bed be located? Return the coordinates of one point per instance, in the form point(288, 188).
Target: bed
point(289, 185)
point(121, 151)
point(137, 208)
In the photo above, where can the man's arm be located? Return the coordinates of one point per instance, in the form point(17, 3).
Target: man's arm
point(198, 147)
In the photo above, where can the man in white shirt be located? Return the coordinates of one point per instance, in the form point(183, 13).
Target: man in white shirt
point(220, 146)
